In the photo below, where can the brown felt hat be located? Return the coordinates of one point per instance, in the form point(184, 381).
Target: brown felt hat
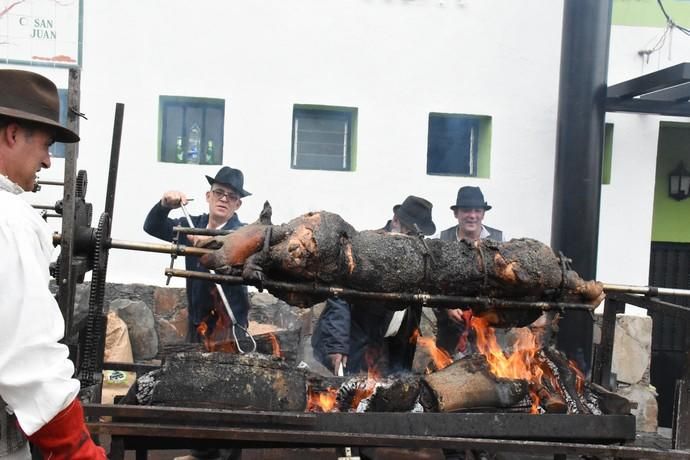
point(416, 210)
point(32, 97)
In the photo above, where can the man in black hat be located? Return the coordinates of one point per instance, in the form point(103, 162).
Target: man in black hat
point(469, 209)
point(224, 198)
point(38, 396)
point(360, 336)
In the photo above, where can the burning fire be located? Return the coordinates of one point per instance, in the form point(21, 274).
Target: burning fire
point(275, 346)
point(321, 401)
point(439, 356)
point(218, 337)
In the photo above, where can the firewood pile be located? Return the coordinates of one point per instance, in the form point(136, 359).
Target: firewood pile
point(256, 381)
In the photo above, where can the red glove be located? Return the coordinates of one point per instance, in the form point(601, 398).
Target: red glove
point(66, 437)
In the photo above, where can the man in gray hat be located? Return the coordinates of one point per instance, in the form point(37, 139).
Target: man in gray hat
point(358, 336)
point(469, 209)
point(38, 396)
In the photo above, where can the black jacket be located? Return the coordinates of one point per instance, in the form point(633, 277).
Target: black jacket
point(199, 292)
point(358, 330)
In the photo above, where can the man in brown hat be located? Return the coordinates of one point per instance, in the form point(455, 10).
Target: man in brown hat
point(469, 209)
point(361, 336)
point(37, 392)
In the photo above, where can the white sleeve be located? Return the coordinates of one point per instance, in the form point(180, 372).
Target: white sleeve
point(35, 371)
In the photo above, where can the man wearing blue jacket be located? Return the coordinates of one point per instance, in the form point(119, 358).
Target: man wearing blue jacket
point(224, 199)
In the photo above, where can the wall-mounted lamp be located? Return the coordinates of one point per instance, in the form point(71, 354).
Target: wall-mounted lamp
point(679, 183)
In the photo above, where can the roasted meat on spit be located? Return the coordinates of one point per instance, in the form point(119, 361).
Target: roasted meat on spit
point(321, 247)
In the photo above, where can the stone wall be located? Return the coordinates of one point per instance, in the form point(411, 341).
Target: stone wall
point(157, 316)
point(632, 352)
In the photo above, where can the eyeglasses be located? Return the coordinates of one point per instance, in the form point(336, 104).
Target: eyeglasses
point(220, 194)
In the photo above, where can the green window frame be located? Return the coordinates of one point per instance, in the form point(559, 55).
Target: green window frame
point(458, 145)
point(177, 117)
point(607, 159)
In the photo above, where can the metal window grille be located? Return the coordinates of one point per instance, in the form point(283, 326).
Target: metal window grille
point(321, 139)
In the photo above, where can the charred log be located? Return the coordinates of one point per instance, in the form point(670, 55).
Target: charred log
point(322, 247)
point(225, 381)
point(395, 393)
point(570, 379)
point(468, 384)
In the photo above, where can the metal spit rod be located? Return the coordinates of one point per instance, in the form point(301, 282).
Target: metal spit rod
point(651, 291)
point(183, 250)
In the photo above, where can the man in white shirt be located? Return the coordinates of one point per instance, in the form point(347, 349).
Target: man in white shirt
point(38, 395)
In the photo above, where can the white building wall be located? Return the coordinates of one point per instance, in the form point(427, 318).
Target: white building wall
point(396, 61)
point(625, 229)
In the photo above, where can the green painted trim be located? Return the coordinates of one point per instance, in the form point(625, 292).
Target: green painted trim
point(671, 218)
point(484, 147)
point(160, 130)
point(608, 154)
point(353, 139)
point(483, 144)
point(208, 101)
point(647, 13)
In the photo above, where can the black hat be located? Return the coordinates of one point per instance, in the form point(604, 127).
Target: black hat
point(32, 97)
point(415, 210)
point(231, 177)
point(470, 198)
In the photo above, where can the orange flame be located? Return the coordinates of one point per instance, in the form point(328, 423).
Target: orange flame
point(366, 388)
point(321, 401)
point(275, 346)
point(439, 356)
point(521, 363)
point(579, 377)
point(218, 338)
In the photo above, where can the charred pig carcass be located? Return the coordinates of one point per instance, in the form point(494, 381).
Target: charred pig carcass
point(320, 247)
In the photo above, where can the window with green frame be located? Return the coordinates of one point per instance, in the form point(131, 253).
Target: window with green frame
point(608, 154)
point(323, 137)
point(458, 145)
point(191, 130)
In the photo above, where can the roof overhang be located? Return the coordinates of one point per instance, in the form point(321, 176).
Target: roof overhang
point(664, 92)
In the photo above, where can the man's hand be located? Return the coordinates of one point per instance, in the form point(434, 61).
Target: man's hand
point(172, 199)
point(336, 360)
point(455, 315)
point(199, 240)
